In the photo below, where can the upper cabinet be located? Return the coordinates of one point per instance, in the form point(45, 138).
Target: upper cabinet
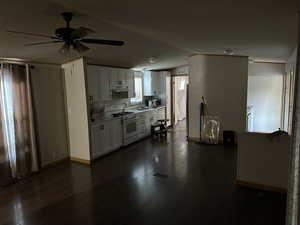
point(155, 84)
point(131, 86)
point(107, 83)
point(151, 83)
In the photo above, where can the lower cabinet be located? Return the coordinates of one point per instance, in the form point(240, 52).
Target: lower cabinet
point(152, 116)
point(106, 136)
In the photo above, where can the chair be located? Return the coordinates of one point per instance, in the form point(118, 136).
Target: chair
point(159, 128)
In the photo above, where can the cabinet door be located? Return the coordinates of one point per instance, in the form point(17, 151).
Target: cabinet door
point(147, 84)
point(122, 75)
point(100, 143)
point(161, 114)
point(155, 83)
point(114, 74)
point(116, 134)
point(162, 87)
point(130, 81)
point(148, 122)
point(104, 83)
point(92, 83)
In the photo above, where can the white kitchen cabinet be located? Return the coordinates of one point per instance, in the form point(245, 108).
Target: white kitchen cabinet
point(106, 137)
point(155, 84)
point(141, 124)
point(92, 83)
point(149, 120)
point(151, 83)
point(100, 139)
point(131, 86)
point(98, 83)
point(104, 84)
point(101, 79)
point(116, 132)
point(152, 116)
point(159, 114)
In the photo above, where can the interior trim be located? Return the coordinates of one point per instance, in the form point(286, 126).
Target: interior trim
point(83, 161)
point(261, 186)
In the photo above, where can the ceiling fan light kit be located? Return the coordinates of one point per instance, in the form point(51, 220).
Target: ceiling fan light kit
point(71, 37)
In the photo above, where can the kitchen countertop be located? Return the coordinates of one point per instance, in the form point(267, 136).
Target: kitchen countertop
point(110, 117)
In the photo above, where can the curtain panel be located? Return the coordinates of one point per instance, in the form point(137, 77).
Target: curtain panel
point(17, 135)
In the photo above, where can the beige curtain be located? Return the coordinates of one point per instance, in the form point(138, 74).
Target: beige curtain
point(17, 136)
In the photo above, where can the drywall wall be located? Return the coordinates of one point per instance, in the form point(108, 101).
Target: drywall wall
point(254, 163)
point(222, 80)
point(48, 99)
point(181, 70)
point(266, 69)
point(265, 94)
point(77, 116)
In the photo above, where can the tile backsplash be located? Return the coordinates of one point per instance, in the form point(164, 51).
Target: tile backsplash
point(104, 108)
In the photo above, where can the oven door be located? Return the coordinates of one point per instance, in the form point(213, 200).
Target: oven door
point(130, 128)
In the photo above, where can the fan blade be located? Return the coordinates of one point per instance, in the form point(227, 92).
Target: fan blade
point(32, 34)
point(81, 32)
point(41, 43)
point(102, 42)
point(80, 47)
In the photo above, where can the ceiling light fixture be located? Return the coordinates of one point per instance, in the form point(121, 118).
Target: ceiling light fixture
point(152, 60)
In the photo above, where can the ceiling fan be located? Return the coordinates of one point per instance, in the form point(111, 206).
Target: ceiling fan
point(71, 37)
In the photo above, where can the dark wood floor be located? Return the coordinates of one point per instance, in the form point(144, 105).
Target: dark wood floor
point(195, 185)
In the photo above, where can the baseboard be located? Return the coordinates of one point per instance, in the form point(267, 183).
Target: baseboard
point(198, 140)
point(195, 139)
point(83, 161)
point(51, 164)
point(261, 186)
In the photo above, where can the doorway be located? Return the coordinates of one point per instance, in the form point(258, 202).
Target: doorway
point(180, 100)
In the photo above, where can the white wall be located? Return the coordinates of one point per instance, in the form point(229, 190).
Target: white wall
point(265, 88)
point(48, 99)
point(222, 80)
point(181, 70)
point(78, 128)
point(263, 161)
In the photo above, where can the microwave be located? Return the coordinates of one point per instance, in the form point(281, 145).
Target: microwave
point(120, 89)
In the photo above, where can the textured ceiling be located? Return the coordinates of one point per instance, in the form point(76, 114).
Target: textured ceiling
point(169, 30)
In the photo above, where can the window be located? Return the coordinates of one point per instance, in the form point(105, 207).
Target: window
point(138, 88)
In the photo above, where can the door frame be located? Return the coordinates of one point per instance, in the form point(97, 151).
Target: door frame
point(173, 76)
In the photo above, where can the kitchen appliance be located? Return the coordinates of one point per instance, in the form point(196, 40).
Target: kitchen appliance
point(156, 102)
point(148, 103)
point(120, 89)
point(130, 129)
